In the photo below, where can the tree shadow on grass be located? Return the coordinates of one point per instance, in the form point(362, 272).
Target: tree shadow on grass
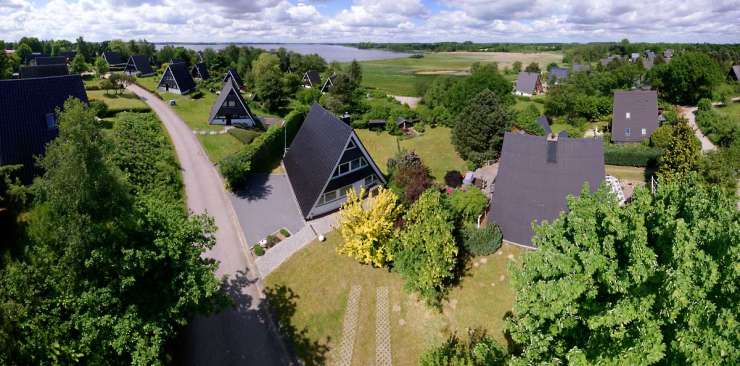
point(255, 187)
point(283, 303)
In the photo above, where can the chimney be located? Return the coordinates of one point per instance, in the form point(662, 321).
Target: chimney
point(345, 118)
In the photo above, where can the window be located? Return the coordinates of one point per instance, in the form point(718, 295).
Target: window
point(51, 121)
point(370, 180)
point(350, 166)
point(644, 131)
point(231, 103)
point(627, 132)
point(334, 195)
point(627, 115)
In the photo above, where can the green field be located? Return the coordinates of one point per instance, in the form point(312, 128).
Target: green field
point(400, 76)
point(433, 146)
point(732, 110)
point(122, 100)
point(310, 304)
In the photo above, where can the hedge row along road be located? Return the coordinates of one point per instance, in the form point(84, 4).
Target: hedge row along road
point(243, 335)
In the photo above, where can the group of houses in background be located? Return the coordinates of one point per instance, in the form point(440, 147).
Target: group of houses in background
point(312, 79)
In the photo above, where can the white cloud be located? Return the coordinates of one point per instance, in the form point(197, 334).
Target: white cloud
point(373, 20)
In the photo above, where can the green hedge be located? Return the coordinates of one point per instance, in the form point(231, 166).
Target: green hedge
point(245, 136)
point(264, 151)
point(630, 155)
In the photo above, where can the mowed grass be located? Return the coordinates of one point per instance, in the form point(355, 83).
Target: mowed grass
point(220, 146)
point(310, 293)
point(732, 110)
point(123, 100)
point(433, 146)
point(629, 173)
point(400, 76)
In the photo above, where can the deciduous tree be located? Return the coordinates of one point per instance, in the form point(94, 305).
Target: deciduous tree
point(101, 67)
point(479, 131)
point(681, 153)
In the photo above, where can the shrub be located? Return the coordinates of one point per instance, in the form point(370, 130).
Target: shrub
point(284, 232)
point(271, 240)
point(478, 350)
point(483, 241)
point(453, 179)
point(110, 112)
point(258, 250)
point(467, 204)
point(359, 124)
point(196, 95)
point(661, 137)
point(410, 175)
point(245, 136)
point(92, 87)
point(704, 104)
point(368, 230)
point(630, 155)
point(100, 108)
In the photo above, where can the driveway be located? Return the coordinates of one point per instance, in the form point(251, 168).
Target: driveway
point(706, 144)
point(267, 205)
point(245, 333)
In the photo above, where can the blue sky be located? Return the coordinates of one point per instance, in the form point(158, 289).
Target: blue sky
point(374, 20)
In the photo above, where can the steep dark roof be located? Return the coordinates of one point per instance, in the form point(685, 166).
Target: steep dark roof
point(182, 77)
point(51, 60)
point(201, 70)
point(141, 64)
point(558, 73)
point(233, 73)
point(176, 61)
point(642, 105)
point(113, 58)
point(24, 106)
point(526, 82)
point(542, 121)
point(69, 55)
point(329, 83)
point(314, 153)
point(536, 175)
point(227, 88)
point(32, 56)
point(735, 72)
point(313, 77)
point(43, 71)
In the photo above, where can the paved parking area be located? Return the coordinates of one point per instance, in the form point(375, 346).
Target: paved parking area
point(266, 206)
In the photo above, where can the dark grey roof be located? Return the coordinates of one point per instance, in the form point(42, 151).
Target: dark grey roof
point(314, 153)
point(313, 77)
point(376, 123)
point(24, 106)
point(182, 77)
point(642, 106)
point(545, 124)
point(580, 67)
point(43, 71)
point(51, 60)
point(113, 58)
point(526, 82)
point(606, 61)
point(141, 64)
point(536, 175)
point(668, 53)
point(563, 133)
point(69, 55)
point(176, 61)
point(558, 73)
point(229, 87)
point(329, 82)
point(201, 70)
point(32, 56)
point(735, 72)
point(233, 73)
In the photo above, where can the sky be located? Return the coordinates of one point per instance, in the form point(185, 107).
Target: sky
point(337, 21)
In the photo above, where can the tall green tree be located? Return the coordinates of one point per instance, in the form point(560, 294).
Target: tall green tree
point(427, 255)
point(652, 282)
point(101, 67)
point(354, 71)
point(689, 77)
point(533, 67)
point(268, 81)
point(4, 66)
point(681, 154)
point(109, 274)
point(78, 64)
point(479, 132)
point(23, 51)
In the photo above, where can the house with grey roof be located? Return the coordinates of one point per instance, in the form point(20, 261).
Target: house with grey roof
point(329, 83)
point(230, 108)
point(138, 65)
point(580, 67)
point(28, 119)
point(26, 72)
point(311, 78)
point(176, 79)
point(325, 160)
point(200, 71)
point(528, 84)
point(535, 176)
point(50, 60)
point(635, 115)
point(734, 73)
point(668, 53)
point(634, 56)
point(557, 74)
point(606, 61)
point(113, 59)
point(234, 75)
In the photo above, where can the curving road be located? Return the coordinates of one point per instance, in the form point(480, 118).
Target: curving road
point(245, 334)
point(706, 144)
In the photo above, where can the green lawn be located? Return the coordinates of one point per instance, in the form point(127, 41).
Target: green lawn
point(732, 110)
point(522, 104)
point(629, 173)
point(310, 291)
point(433, 146)
point(218, 147)
point(122, 100)
point(400, 76)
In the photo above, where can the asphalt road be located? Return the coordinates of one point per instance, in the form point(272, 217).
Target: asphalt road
point(245, 334)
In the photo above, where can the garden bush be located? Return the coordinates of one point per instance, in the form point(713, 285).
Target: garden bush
point(110, 112)
point(258, 250)
point(453, 178)
point(245, 136)
point(704, 104)
point(719, 128)
point(284, 232)
point(197, 95)
point(100, 108)
point(483, 241)
point(630, 155)
point(468, 204)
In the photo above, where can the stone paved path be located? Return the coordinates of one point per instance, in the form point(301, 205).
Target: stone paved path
point(349, 327)
point(382, 328)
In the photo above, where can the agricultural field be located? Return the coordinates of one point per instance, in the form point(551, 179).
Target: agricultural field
point(310, 305)
point(400, 76)
point(433, 146)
